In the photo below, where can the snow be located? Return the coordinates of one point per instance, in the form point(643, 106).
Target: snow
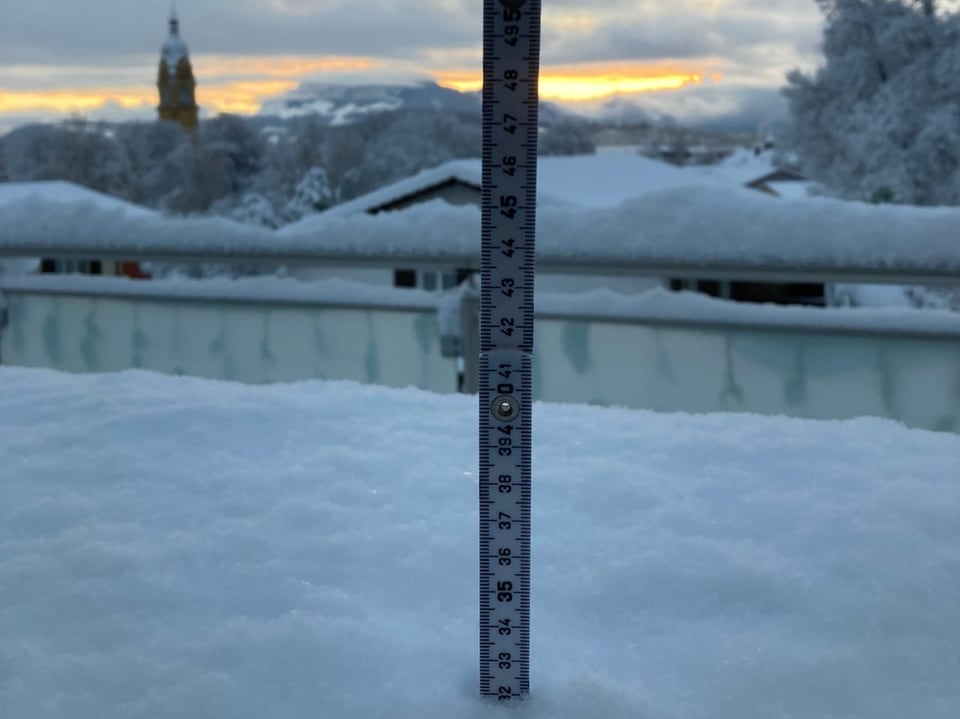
point(348, 113)
point(260, 289)
point(20, 266)
point(603, 180)
point(463, 171)
point(706, 225)
point(176, 547)
point(173, 51)
point(739, 167)
point(871, 295)
point(793, 190)
point(589, 181)
point(174, 48)
point(57, 193)
point(694, 227)
point(657, 306)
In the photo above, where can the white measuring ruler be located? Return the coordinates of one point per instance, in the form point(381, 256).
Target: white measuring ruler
point(511, 66)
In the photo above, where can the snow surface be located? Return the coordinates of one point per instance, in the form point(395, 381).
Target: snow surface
point(697, 226)
point(793, 190)
point(659, 305)
point(173, 547)
point(601, 180)
point(871, 295)
point(740, 167)
point(61, 192)
point(259, 289)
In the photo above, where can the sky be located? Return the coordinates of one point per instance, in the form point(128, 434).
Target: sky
point(692, 59)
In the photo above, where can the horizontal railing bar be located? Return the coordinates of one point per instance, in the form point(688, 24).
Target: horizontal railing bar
point(273, 292)
point(879, 327)
point(699, 232)
point(769, 271)
point(683, 310)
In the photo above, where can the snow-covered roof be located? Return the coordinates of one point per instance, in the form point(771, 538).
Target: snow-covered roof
point(741, 167)
point(709, 226)
point(67, 193)
point(796, 190)
point(600, 180)
point(463, 171)
point(606, 180)
point(603, 180)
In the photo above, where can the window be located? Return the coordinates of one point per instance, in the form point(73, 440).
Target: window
point(404, 278)
point(791, 293)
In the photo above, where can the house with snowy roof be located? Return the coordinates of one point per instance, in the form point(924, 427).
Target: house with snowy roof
point(603, 180)
point(782, 182)
point(589, 181)
point(757, 171)
point(78, 200)
point(586, 181)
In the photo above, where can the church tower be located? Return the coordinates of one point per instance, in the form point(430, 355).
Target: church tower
point(175, 80)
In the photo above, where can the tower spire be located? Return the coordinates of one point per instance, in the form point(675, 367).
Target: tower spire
point(175, 80)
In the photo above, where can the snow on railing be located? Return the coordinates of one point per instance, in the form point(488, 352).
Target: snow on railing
point(659, 350)
point(695, 231)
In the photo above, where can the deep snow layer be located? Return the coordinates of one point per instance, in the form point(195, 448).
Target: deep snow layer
point(692, 227)
point(173, 547)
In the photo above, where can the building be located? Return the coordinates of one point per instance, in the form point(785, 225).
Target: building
point(175, 81)
point(81, 201)
point(596, 181)
point(584, 181)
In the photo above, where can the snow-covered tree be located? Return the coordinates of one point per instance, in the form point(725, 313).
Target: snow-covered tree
point(251, 208)
point(311, 193)
point(222, 160)
point(156, 152)
point(79, 151)
point(343, 152)
point(880, 120)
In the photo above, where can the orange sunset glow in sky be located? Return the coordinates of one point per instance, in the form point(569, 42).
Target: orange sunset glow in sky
point(281, 76)
point(101, 60)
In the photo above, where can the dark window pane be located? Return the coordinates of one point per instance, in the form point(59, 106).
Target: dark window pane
point(404, 278)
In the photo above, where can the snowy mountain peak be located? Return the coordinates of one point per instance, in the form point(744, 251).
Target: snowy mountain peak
point(342, 104)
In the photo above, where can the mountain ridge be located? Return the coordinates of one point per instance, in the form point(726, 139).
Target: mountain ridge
point(343, 104)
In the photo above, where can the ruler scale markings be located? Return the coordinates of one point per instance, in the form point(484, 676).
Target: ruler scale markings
point(511, 48)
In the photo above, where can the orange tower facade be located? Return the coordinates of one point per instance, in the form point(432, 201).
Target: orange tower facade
point(175, 80)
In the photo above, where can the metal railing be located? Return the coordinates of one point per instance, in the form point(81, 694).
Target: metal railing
point(583, 356)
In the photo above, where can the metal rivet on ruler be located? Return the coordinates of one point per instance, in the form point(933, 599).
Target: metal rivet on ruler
point(505, 408)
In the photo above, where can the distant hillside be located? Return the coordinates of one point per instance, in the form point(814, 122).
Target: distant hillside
point(346, 104)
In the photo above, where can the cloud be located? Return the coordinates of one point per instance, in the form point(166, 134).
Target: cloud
point(702, 105)
point(687, 35)
point(60, 31)
point(590, 80)
point(246, 50)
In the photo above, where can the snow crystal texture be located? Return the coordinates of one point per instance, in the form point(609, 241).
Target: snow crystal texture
point(174, 547)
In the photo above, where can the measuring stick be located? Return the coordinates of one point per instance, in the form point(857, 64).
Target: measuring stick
point(511, 65)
